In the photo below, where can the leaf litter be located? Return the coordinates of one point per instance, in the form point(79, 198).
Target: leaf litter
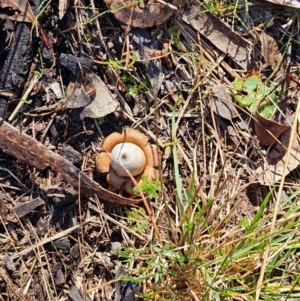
point(91, 94)
point(196, 102)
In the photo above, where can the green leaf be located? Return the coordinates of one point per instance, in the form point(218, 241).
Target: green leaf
point(251, 90)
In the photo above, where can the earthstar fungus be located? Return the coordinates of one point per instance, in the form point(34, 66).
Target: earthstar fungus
point(132, 149)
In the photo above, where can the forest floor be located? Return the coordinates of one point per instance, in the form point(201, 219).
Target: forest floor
point(211, 88)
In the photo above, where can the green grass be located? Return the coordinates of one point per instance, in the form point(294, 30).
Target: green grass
point(217, 262)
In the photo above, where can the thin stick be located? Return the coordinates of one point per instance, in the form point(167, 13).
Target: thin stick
point(167, 4)
point(33, 82)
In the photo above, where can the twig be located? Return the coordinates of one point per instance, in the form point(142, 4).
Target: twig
point(167, 4)
point(33, 82)
point(5, 169)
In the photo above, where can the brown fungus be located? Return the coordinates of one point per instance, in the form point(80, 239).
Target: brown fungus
point(132, 150)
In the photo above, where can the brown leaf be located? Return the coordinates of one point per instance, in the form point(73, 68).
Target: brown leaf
point(23, 6)
point(268, 130)
point(270, 51)
point(273, 169)
point(141, 15)
point(220, 35)
point(91, 93)
point(221, 103)
point(143, 43)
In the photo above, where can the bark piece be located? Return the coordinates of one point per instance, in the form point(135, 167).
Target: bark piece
point(74, 252)
point(125, 290)
point(42, 227)
point(34, 153)
point(14, 72)
point(62, 195)
point(24, 208)
point(58, 275)
point(2, 208)
point(69, 153)
point(62, 244)
point(70, 61)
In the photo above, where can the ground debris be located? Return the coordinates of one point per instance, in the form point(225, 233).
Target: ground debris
point(90, 94)
point(26, 14)
point(23, 209)
point(221, 36)
point(70, 62)
point(125, 290)
point(36, 154)
point(58, 275)
point(146, 15)
point(14, 72)
point(2, 208)
point(178, 78)
point(62, 244)
point(69, 153)
point(75, 295)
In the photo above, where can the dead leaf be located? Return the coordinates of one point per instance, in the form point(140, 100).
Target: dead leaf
point(9, 263)
point(220, 35)
point(125, 290)
point(58, 275)
point(221, 103)
point(139, 14)
point(290, 3)
point(90, 93)
point(270, 51)
point(26, 14)
point(143, 43)
point(268, 130)
point(273, 169)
